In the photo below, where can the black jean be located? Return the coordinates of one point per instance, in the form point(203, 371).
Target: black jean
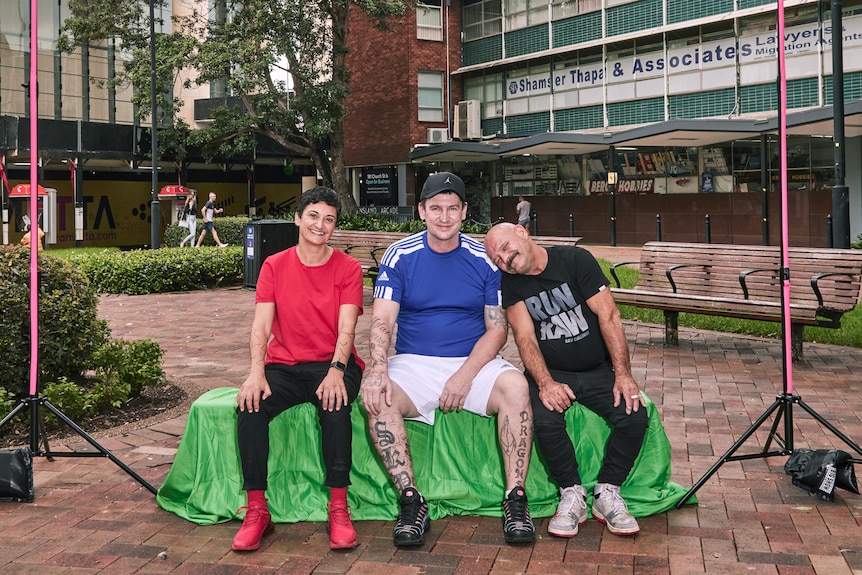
point(292, 385)
point(594, 390)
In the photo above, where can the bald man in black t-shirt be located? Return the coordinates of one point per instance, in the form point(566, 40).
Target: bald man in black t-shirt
point(571, 340)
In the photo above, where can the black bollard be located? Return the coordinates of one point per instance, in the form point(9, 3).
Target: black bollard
point(535, 223)
point(829, 242)
point(658, 227)
point(708, 231)
point(571, 225)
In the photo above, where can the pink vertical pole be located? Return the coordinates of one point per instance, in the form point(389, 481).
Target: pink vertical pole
point(34, 194)
point(782, 131)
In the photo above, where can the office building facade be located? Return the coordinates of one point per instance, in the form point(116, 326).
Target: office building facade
point(95, 152)
point(674, 99)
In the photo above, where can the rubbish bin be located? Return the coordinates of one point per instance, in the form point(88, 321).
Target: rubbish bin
point(262, 239)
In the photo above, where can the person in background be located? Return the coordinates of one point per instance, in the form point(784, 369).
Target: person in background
point(190, 214)
point(570, 337)
point(208, 211)
point(444, 294)
point(308, 300)
point(523, 209)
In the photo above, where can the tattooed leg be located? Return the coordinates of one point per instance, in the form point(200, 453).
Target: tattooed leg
point(389, 436)
point(511, 402)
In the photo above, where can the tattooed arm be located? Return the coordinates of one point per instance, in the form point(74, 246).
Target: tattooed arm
point(485, 349)
point(376, 385)
point(255, 388)
point(332, 391)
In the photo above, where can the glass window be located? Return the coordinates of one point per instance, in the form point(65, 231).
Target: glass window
point(429, 21)
point(524, 13)
point(561, 9)
point(482, 18)
point(430, 96)
point(589, 6)
point(488, 89)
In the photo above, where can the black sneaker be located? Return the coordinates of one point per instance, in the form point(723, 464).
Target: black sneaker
point(411, 525)
point(517, 523)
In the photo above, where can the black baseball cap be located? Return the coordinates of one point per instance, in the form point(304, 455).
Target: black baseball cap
point(442, 182)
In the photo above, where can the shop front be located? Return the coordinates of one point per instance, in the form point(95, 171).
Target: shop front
point(636, 186)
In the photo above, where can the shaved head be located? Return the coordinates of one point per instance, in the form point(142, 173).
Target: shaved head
point(511, 249)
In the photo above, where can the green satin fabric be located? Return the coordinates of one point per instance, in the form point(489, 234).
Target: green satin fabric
point(457, 462)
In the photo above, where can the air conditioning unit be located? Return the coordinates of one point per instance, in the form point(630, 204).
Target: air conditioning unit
point(468, 120)
point(438, 135)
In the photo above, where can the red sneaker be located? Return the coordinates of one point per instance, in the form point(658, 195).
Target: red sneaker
point(342, 535)
point(256, 524)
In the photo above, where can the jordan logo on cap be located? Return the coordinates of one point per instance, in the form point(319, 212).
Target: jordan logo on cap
point(448, 181)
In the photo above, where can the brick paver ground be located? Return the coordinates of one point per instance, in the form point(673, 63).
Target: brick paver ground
point(91, 517)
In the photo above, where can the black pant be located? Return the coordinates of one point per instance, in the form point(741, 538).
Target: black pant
point(292, 385)
point(594, 390)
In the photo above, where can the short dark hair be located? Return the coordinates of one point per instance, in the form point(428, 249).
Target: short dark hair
point(319, 194)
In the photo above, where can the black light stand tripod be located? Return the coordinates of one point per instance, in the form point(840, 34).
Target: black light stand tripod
point(783, 407)
point(32, 401)
point(38, 437)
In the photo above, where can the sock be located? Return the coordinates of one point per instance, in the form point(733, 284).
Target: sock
point(337, 494)
point(256, 496)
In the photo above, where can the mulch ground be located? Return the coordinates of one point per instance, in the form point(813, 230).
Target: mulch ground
point(152, 402)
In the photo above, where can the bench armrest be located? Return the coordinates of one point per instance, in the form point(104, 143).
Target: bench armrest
point(614, 273)
point(669, 272)
point(816, 279)
point(375, 251)
point(747, 273)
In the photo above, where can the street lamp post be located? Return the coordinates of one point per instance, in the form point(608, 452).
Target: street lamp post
point(155, 209)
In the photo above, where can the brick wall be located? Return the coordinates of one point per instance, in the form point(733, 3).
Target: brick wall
point(382, 124)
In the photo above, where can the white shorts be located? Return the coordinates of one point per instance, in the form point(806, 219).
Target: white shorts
point(422, 378)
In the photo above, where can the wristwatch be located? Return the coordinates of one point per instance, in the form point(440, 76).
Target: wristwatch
point(338, 365)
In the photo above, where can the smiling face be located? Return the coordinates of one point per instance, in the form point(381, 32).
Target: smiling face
point(443, 214)
point(316, 223)
point(510, 248)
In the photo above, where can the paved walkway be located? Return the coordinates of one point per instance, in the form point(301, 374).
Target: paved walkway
point(91, 517)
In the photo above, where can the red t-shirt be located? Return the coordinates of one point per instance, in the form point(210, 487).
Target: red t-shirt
point(307, 300)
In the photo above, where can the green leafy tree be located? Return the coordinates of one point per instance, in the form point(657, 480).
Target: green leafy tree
point(283, 60)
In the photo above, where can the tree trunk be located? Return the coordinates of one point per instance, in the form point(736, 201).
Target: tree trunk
point(339, 175)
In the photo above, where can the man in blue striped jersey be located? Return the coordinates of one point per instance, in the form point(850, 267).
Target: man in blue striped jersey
point(443, 293)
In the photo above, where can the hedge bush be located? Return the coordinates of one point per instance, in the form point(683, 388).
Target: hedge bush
point(231, 229)
point(131, 364)
point(182, 269)
point(154, 271)
point(360, 221)
point(70, 331)
point(81, 371)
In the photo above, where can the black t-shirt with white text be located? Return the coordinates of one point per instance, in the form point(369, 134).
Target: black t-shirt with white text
point(566, 328)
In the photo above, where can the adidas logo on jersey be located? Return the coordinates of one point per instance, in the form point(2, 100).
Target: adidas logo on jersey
point(383, 277)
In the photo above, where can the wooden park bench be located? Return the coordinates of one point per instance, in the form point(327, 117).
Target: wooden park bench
point(743, 281)
point(368, 246)
point(548, 241)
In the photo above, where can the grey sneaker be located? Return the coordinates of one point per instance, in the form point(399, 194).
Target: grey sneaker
point(571, 512)
point(610, 508)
